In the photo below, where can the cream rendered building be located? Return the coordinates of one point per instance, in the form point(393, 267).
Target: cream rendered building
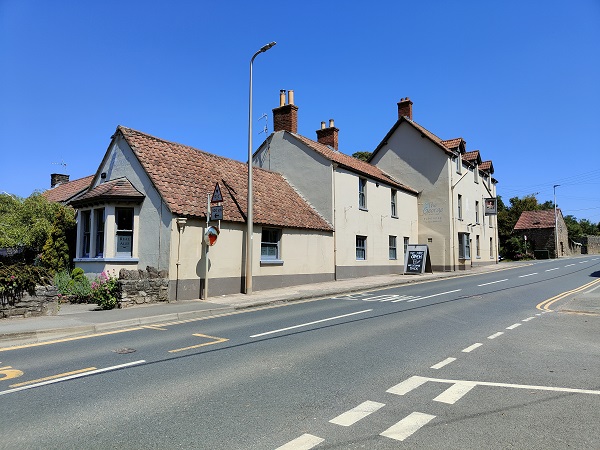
point(453, 186)
point(373, 215)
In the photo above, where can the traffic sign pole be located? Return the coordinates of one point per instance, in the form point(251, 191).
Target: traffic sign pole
point(206, 247)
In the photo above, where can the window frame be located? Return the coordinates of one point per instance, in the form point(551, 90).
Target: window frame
point(124, 231)
point(392, 248)
point(362, 193)
point(86, 233)
point(361, 246)
point(459, 207)
point(271, 241)
point(394, 203)
point(477, 212)
point(100, 226)
point(464, 246)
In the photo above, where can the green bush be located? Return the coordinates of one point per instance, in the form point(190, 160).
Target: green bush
point(16, 279)
point(106, 291)
point(75, 284)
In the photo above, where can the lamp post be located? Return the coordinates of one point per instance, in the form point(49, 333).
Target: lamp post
point(250, 215)
point(555, 223)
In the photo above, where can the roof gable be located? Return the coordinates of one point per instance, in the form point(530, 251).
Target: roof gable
point(184, 176)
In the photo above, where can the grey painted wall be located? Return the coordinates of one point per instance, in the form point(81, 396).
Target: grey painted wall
point(306, 170)
point(155, 218)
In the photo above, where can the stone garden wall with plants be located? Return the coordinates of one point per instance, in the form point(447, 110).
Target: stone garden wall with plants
point(143, 286)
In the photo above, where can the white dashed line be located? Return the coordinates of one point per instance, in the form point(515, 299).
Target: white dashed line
point(528, 319)
point(434, 295)
point(304, 442)
point(455, 392)
point(310, 323)
point(550, 270)
point(443, 363)
point(528, 275)
point(512, 327)
point(355, 414)
point(495, 335)
point(493, 282)
point(569, 265)
point(472, 347)
point(407, 426)
point(583, 262)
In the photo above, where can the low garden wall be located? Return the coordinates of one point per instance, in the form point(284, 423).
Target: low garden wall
point(143, 286)
point(43, 302)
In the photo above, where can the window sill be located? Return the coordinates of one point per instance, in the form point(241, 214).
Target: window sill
point(363, 209)
point(395, 217)
point(271, 262)
point(121, 259)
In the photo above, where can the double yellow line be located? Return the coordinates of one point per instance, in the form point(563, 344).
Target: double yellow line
point(545, 305)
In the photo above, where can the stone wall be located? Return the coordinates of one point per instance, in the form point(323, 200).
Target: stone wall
point(590, 245)
point(143, 286)
point(43, 302)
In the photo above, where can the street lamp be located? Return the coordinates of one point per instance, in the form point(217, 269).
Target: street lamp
point(250, 215)
point(555, 223)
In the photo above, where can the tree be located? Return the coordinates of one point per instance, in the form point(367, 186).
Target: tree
point(363, 156)
point(55, 255)
point(26, 223)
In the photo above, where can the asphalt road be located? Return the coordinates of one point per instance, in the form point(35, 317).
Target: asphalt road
point(459, 363)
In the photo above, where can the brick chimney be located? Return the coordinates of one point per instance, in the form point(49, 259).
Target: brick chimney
point(285, 118)
point(57, 178)
point(405, 108)
point(328, 136)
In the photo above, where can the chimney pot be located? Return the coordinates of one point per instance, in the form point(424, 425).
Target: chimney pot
point(330, 123)
point(291, 97)
point(281, 97)
point(322, 125)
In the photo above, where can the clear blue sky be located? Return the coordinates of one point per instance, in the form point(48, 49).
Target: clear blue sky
point(518, 80)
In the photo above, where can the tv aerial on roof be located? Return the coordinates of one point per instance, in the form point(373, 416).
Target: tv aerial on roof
point(61, 163)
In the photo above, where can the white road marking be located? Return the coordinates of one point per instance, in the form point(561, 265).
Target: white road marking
point(495, 335)
point(443, 363)
point(583, 262)
point(304, 442)
point(512, 327)
point(434, 295)
point(550, 270)
point(407, 426)
point(528, 319)
point(539, 314)
point(455, 392)
point(311, 323)
point(460, 387)
point(355, 414)
point(569, 265)
point(407, 385)
point(528, 275)
point(406, 297)
point(71, 377)
point(493, 282)
point(470, 348)
point(381, 298)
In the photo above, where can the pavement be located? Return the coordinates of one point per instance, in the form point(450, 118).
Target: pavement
point(81, 319)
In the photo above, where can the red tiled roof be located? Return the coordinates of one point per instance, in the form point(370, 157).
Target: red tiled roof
point(119, 189)
point(536, 219)
point(184, 176)
point(487, 165)
point(66, 191)
point(471, 156)
point(452, 143)
point(353, 164)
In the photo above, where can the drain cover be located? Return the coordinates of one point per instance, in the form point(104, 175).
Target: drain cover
point(125, 350)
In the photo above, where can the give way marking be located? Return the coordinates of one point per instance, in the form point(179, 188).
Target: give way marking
point(459, 388)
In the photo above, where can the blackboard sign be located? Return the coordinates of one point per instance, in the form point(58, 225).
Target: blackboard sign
point(417, 259)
